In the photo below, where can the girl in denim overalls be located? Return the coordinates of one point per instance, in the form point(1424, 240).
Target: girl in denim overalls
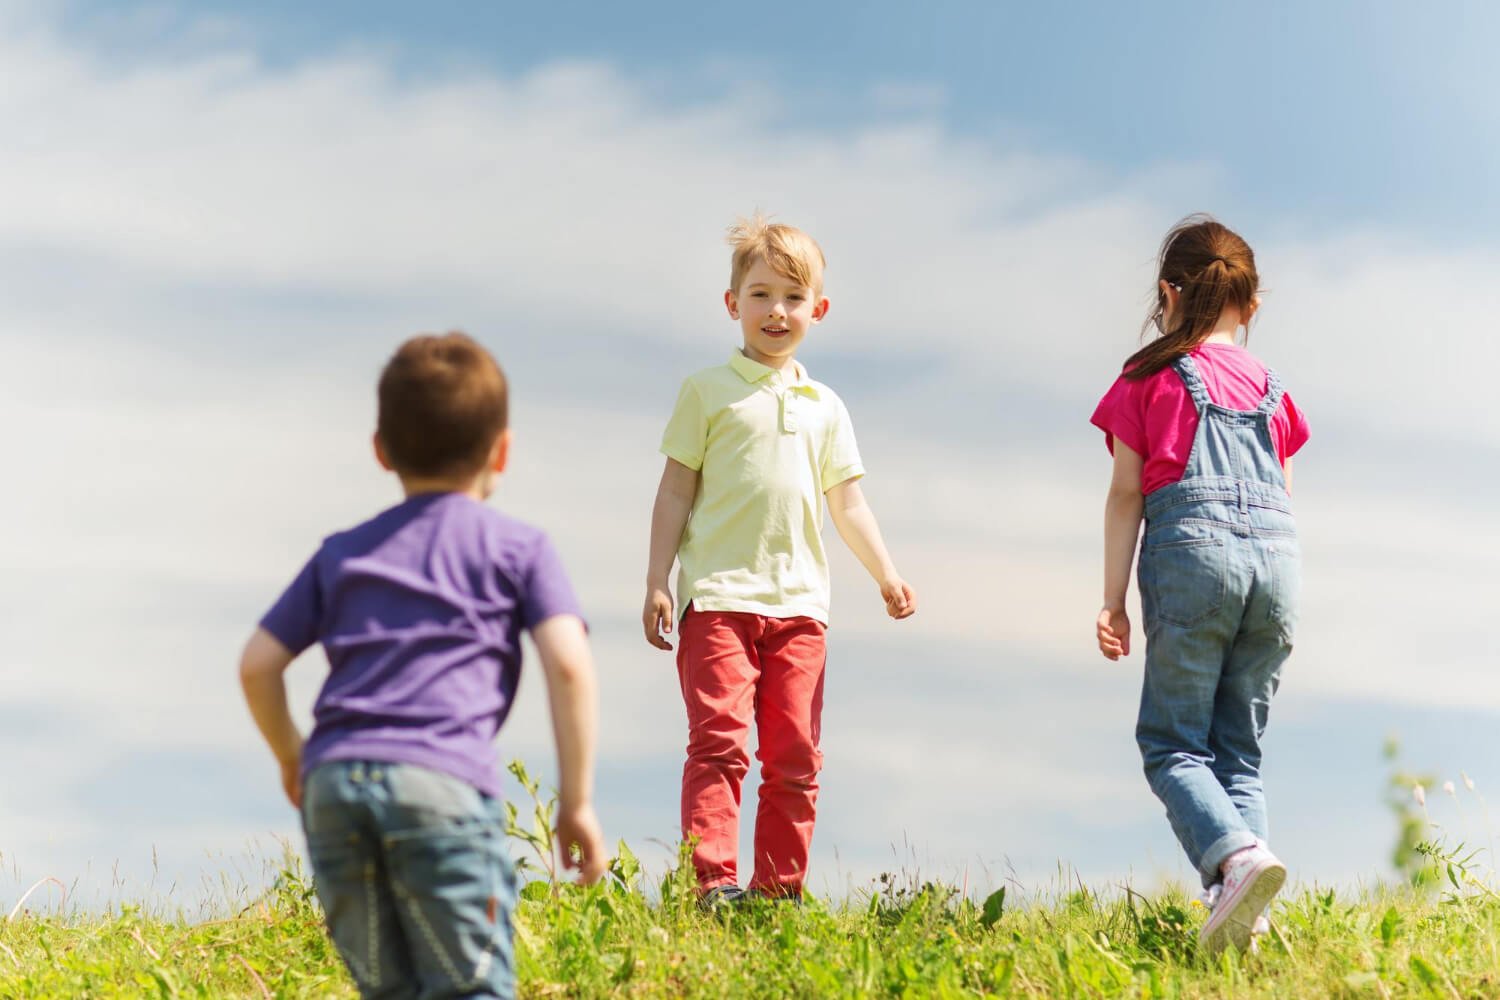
point(1203, 437)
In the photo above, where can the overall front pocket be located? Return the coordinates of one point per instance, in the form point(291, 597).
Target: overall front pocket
point(1184, 580)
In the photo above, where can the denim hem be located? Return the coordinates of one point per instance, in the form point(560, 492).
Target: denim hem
point(1208, 866)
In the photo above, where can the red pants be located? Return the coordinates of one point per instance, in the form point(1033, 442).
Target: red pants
point(735, 667)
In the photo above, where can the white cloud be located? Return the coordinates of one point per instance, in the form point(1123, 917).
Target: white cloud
point(188, 428)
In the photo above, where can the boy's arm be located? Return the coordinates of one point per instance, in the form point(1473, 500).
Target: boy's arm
point(262, 668)
point(669, 515)
point(572, 693)
point(1122, 527)
point(856, 525)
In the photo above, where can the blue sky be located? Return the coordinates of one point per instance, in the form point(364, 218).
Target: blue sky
point(1323, 114)
point(216, 222)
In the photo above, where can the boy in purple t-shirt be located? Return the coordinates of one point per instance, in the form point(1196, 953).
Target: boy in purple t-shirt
point(420, 611)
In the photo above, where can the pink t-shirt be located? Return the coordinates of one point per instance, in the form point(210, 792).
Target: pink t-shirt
point(1156, 417)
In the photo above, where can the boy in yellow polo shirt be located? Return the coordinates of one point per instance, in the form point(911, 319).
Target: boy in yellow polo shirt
point(753, 448)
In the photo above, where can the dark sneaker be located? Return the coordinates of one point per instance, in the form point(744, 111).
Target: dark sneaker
point(721, 895)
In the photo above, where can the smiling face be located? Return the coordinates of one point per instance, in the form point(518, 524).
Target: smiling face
point(775, 313)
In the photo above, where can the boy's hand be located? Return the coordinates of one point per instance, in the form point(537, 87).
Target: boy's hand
point(291, 780)
point(582, 843)
point(900, 599)
point(1113, 628)
point(262, 666)
point(657, 616)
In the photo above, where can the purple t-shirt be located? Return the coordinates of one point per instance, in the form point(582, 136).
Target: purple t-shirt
point(420, 610)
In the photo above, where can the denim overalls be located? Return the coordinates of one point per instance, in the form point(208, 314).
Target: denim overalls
point(1220, 572)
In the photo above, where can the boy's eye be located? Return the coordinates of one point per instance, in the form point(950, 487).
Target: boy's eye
point(796, 298)
point(757, 295)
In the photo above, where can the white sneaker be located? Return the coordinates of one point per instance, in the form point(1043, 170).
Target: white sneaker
point(1210, 897)
point(1251, 877)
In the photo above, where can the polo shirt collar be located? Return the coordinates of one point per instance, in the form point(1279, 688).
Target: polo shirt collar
point(754, 371)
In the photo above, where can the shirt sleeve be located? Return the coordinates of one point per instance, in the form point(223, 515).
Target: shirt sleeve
point(1169, 418)
point(1120, 414)
point(297, 616)
point(686, 436)
point(1297, 429)
point(549, 592)
point(841, 461)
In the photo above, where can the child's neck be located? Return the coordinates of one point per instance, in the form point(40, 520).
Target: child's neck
point(477, 487)
point(1226, 328)
point(785, 363)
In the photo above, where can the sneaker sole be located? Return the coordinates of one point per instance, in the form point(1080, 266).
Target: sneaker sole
point(1238, 922)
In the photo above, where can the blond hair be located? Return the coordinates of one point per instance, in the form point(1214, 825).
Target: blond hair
point(790, 252)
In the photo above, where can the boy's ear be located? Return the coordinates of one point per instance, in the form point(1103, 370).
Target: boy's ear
point(732, 303)
point(820, 310)
point(380, 456)
point(500, 452)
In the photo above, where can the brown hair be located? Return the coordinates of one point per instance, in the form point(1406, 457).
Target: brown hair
point(1212, 267)
point(442, 405)
point(790, 252)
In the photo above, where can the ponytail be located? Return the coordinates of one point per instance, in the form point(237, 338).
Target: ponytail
point(1212, 268)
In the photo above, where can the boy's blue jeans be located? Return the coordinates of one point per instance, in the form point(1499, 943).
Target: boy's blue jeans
point(1220, 606)
point(412, 871)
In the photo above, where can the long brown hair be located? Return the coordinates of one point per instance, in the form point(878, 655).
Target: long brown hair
point(1212, 267)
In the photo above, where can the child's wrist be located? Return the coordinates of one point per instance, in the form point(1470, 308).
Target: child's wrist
point(1114, 604)
point(571, 806)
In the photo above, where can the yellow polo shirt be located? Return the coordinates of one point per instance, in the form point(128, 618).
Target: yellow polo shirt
point(768, 445)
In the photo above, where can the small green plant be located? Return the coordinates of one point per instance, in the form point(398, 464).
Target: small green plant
point(1163, 928)
point(541, 834)
point(1406, 795)
point(1458, 864)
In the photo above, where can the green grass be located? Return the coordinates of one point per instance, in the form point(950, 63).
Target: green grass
point(899, 940)
point(902, 938)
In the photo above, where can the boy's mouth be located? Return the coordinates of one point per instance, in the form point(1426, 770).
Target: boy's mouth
point(774, 331)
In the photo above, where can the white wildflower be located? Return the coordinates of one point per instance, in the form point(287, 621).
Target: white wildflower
point(1420, 794)
point(1448, 787)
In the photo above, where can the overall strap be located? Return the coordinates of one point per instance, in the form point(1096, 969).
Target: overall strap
point(1186, 368)
point(1273, 394)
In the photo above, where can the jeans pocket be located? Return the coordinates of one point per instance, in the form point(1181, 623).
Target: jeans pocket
point(1284, 560)
point(356, 905)
point(455, 891)
point(1185, 579)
